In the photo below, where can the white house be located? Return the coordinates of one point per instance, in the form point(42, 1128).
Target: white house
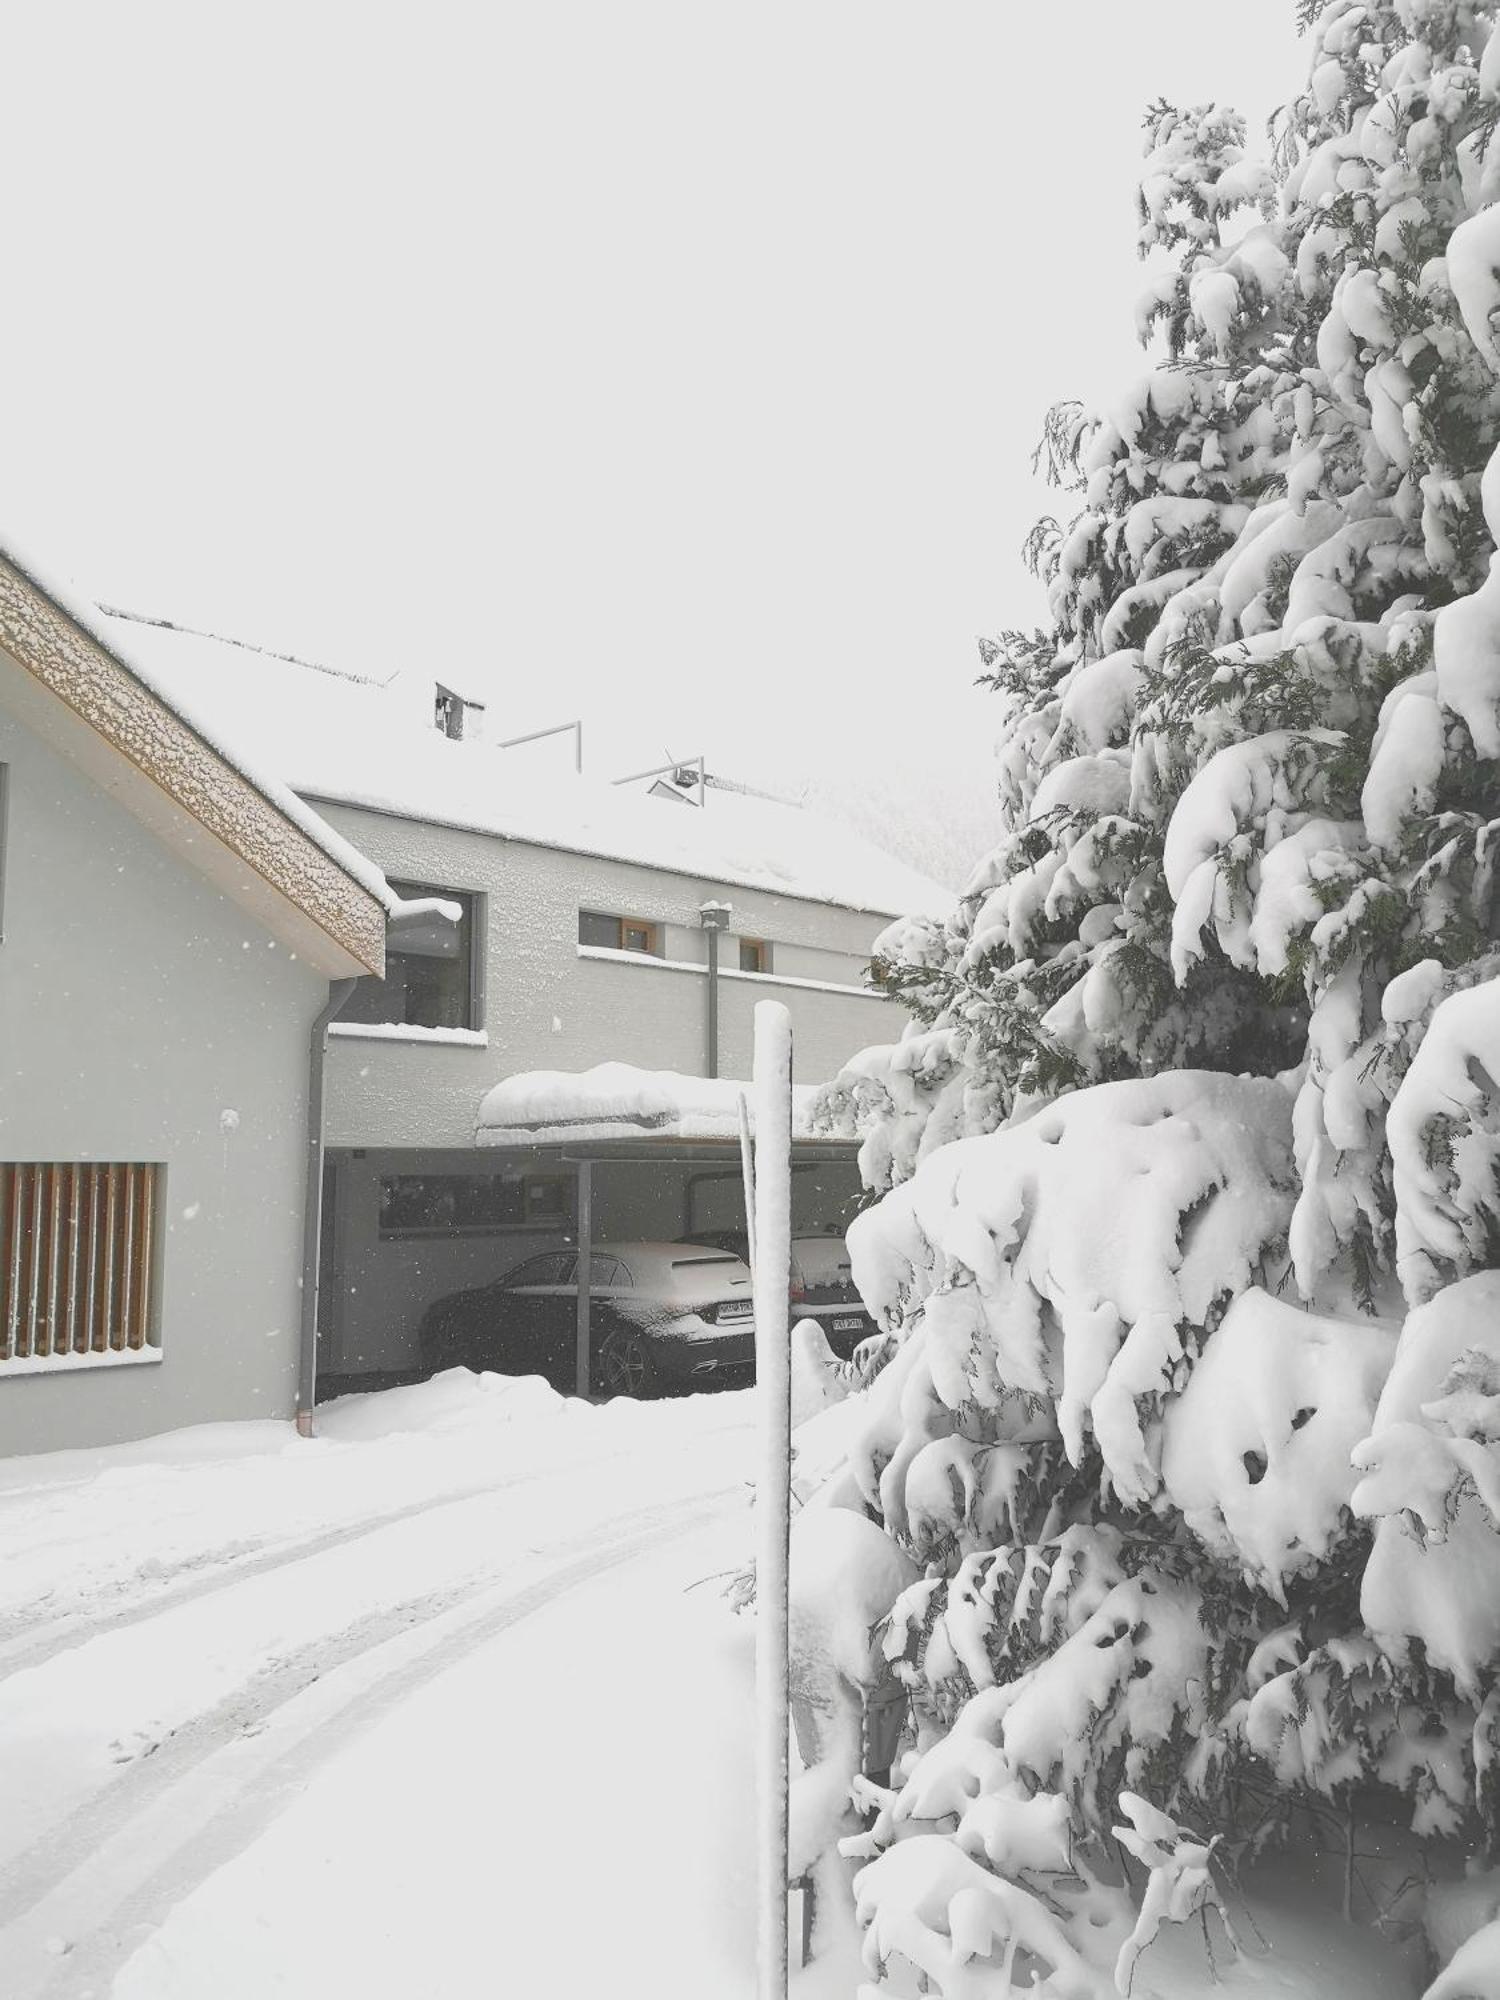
point(589, 916)
point(172, 922)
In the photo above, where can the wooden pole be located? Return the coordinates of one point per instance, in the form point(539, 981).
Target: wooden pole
point(773, 1257)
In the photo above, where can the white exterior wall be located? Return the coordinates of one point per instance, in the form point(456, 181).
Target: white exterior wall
point(551, 1005)
point(137, 1008)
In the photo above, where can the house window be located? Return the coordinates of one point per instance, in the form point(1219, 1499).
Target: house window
point(619, 933)
point(755, 955)
point(472, 1204)
point(432, 971)
point(78, 1252)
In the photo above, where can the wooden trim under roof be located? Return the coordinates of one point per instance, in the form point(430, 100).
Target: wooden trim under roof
point(175, 782)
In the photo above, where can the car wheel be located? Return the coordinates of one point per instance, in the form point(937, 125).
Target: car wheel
point(623, 1365)
point(436, 1344)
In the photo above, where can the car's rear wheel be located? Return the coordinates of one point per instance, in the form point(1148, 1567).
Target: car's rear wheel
point(623, 1365)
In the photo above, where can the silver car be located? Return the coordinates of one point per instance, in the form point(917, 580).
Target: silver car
point(660, 1314)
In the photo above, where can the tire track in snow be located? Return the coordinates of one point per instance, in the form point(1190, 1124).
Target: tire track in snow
point(88, 1881)
point(231, 1564)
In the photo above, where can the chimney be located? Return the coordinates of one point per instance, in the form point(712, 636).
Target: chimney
point(457, 716)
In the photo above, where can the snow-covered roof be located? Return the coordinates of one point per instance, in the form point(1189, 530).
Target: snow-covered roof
point(118, 638)
point(618, 1101)
point(366, 742)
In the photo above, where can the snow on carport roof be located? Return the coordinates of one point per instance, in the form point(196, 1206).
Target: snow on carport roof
point(618, 1101)
point(361, 741)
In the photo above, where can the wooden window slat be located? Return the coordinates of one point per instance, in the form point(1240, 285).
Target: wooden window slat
point(111, 1252)
point(34, 1285)
point(14, 1197)
point(127, 1261)
point(91, 1319)
point(74, 1251)
point(54, 1259)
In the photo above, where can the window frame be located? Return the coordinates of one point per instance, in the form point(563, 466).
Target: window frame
point(649, 927)
point(479, 931)
point(473, 931)
point(650, 933)
point(762, 951)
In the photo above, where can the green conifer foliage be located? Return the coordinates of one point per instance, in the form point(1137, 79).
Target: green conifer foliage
point(1189, 1167)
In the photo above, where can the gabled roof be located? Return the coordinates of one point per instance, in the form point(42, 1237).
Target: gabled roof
point(73, 681)
point(339, 738)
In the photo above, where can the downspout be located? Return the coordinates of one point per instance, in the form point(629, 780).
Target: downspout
point(711, 1034)
point(714, 917)
point(312, 1212)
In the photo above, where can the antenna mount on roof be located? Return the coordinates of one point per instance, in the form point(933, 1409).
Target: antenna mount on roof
point(689, 775)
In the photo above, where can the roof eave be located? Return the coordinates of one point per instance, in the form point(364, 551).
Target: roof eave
point(75, 694)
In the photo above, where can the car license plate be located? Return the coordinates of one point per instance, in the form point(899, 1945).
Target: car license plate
point(848, 1323)
point(735, 1309)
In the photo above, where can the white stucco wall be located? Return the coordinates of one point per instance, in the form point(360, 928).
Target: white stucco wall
point(137, 1010)
point(551, 1006)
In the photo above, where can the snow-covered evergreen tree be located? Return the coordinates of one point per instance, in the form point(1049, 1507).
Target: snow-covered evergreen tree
point(1204, 1095)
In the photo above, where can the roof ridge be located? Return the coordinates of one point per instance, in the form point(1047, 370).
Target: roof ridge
point(244, 645)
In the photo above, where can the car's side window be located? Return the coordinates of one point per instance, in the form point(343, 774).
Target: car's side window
point(606, 1271)
point(551, 1269)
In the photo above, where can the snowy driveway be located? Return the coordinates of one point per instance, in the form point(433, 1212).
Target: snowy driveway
point(428, 1707)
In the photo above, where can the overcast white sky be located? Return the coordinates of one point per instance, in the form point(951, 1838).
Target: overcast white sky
point(678, 365)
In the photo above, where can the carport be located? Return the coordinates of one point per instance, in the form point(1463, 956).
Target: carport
point(559, 1160)
point(824, 1175)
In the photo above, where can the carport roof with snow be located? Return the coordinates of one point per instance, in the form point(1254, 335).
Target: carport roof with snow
point(616, 1104)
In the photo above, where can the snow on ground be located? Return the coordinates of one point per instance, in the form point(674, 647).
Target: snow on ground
point(255, 1686)
point(534, 1818)
point(448, 1701)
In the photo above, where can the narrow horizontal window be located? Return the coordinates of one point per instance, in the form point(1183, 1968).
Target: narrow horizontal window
point(471, 1204)
point(614, 933)
point(78, 1259)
